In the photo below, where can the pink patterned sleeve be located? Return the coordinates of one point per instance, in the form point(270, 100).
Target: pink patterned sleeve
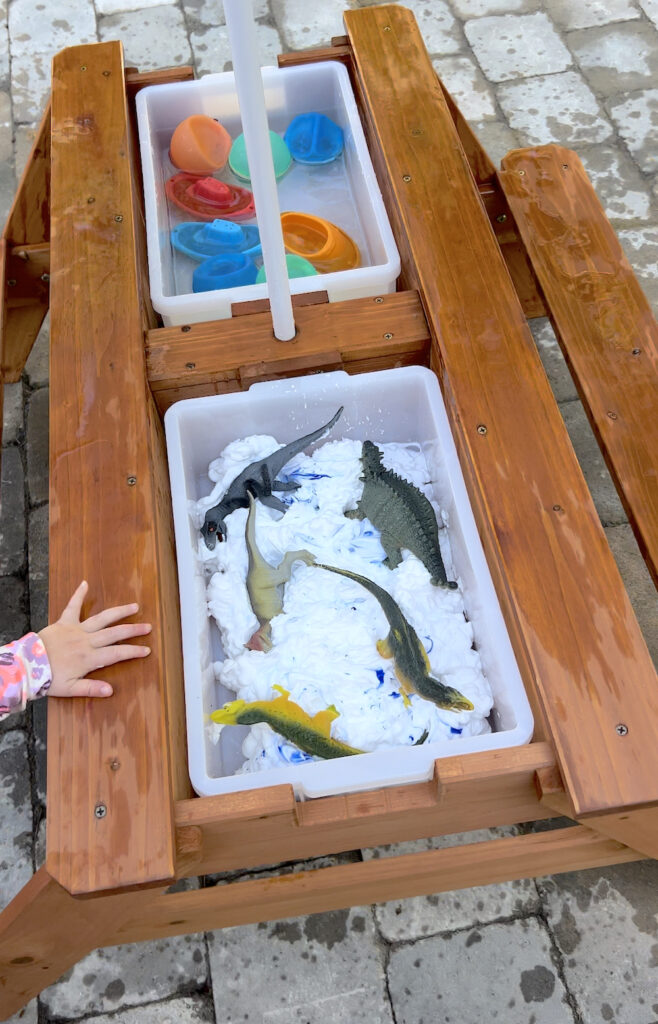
point(24, 673)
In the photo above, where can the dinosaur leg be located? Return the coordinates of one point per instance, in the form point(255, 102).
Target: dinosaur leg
point(354, 513)
point(392, 549)
point(285, 485)
point(406, 688)
point(384, 648)
point(272, 501)
point(261, 640)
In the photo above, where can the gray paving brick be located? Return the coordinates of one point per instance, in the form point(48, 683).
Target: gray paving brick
point(496, 138)
point(422, 916)
point(500, 972)
point(15, 815)
point(553, 361)
point(13, 609)
point(605, 923)
point(304, 25)
point(37, 367)
point(35, 27)
point(641, 248)
point(37, 446)
point(120, 6)
point(480, 8)
point(517, 46)
point(12, 412)
point(591, 461)
point(440, 31)
point(30, 85)
point(28, 1015)
point(322, 969)
point(638, 583)
point(636, 118)
point(5, 124)
point(129, 975)
point(208, 12)
point(650, 8)
point(38, 567)
point(572, 14)
point(554, 108)
point(617, 58)
point(212, 51)
point(4, 49)
point(617, 181)
point(467, 86)
point(154, 38)
point(184, 1010)
point(12, 513)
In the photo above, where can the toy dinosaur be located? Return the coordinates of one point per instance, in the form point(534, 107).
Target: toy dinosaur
point(409, 656)
point(264, 582)
point(260, 478)
point(312, 735)
point(402, 514)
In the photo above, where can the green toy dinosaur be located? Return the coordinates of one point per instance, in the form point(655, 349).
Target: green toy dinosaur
point(265, 582)
point(409, 656)
point(402, 514)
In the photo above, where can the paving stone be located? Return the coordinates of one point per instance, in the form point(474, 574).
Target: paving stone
point(636, 117)
point(110, 979)
point(185, 1010)
point(617, 58)
point(12, 513)
point(572, 14)
point(12, 412)
point(304, 25)
point(618, 183)
point(467, 86)
point(153, 38)
point(212, 51)
point(5, 124)
point(28, 1015)
point(595, 471)
point(38, 567)
point(650, 8)
point(15, 815)
point(505, 968)
point(13, 609)
point(554, 108)
point(39, 27)
point(4, 50)
point(38, 710)
point(321, 969)
point(440, 32)
point(605, 923)
point(641, 248)
point(37, 366)
point(480, 8)
point(517, 46)
point(209, 12)
point(37, 446)
point(496, 138)
point(421, 916)
point(120, 6)
point(40, 845)
point(554, 363)
point(638, 583)
point(30, 85)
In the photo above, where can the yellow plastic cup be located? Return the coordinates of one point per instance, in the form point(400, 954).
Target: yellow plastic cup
point(319, 241)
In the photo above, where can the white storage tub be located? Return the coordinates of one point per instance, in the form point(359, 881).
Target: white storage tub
point(344, 192)
point(390, 405)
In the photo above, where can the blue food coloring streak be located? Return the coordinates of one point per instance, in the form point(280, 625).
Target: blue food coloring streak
point(431, 643)
point(394, 694)
point(455, 731)
point(379, 672)
point(309, 476)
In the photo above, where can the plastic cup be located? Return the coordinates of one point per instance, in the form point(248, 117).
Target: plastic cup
point(199, 145)
point(319, 241)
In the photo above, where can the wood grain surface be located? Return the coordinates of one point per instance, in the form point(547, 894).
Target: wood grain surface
point(566, 608)
point(601, 317)
point(110, 791)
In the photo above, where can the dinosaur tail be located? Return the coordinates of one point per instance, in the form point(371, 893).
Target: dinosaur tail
point(289, 451)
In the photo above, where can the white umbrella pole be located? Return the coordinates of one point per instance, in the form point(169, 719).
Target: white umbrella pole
point(249, 85)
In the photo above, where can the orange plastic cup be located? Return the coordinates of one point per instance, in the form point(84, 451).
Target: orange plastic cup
point(319, 241)
point(199, 145)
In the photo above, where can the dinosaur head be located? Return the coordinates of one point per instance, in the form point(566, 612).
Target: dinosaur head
point(214, 528)
point(443, 696)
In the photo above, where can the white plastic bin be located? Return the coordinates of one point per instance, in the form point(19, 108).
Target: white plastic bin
point(390, 405)
point(344, 192)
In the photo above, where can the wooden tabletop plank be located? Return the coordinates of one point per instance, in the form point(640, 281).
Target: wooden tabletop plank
point(565, 604)
point(110, 802)
point(602, 320)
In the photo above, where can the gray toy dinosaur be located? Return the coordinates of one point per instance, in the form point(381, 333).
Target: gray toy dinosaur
point(259, 479)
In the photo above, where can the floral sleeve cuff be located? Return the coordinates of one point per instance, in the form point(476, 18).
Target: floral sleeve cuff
point(24, 673)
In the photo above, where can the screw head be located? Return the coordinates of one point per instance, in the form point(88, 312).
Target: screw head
point(118, 218)
point(91, 199)
point(106, 74)
point(406, 177)
point(557, 508)
point(45, 277)
point(379, 299)
point(612, 415)
point(131, 480)
point(387, 28)
point(565, 167)
point(100, 810)
point(190, 366)
point(388, 336)
point(481, 428)
point(636, 351)
point(83, 67)
point(417, 131)
point(11, 283)
point(621, 729)
point(501, 218)
point(115, 765)
point(521, 173)
point(185, 328)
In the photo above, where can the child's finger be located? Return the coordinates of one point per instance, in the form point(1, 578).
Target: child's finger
point(126, 631)
point(71, 613)
point(123, 652)
point(90, 688)
point(108, 617)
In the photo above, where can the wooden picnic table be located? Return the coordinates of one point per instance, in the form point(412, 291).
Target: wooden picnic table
point(481, 252)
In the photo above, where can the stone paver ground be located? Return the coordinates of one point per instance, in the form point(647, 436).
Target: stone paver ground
point(574, 949)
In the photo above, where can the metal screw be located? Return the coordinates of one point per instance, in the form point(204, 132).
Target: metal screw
point(521, 173)
point(387, 28)
point(612, 415)
point(190, 366)
point(115, 765)
point(406, 177)
point(388, 336)
point(91, 199)
point(100, 810)
point(501, 218)
point(565, 167)
point(11, 282)
point(118, 218)
point(417, 131)
point(45, 277)
point(106, 74)
point(131, 480)
point(481, 428)
point(186, 328)
point(621, 729)
point(636, 351)
point(379, 299)
point(557, 508)
point(83, 67)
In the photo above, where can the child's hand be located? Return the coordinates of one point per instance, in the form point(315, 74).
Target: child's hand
point(75, 648)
